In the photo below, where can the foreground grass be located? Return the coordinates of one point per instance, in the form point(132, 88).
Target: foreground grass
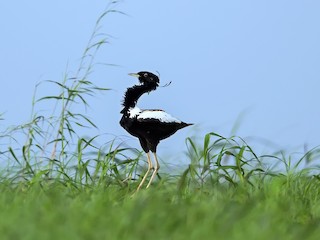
point(280, 208)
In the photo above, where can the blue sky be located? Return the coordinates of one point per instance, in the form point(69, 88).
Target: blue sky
point(255, 59)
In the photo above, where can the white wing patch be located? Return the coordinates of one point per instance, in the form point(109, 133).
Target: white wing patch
point(134, 112)
point(160, 115)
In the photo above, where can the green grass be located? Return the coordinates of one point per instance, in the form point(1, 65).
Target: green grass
point(56, 184)
point(278, 209)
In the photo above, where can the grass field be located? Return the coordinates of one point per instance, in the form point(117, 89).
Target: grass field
point(56, 184)
point(225, 193)
point(280, 208)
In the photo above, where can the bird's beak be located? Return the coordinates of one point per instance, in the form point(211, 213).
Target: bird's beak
point(134, 75)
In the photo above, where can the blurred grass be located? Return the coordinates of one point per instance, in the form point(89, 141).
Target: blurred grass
point(277, 210)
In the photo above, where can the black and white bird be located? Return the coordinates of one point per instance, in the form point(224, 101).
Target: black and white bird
point(149, 126)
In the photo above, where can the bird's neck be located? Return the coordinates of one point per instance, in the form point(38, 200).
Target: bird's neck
point(133, 94)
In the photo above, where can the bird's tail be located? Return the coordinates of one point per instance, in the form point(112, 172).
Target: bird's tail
point(183, 125)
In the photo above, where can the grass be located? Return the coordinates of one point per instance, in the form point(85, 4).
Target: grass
point(277, 210)
point(56, 184)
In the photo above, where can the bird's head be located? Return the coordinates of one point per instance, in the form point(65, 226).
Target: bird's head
point(146, 78)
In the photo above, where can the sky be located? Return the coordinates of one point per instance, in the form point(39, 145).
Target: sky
point(249, 63)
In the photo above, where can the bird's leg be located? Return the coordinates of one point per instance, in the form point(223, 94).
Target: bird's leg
point(155, 170)
point(148, 170)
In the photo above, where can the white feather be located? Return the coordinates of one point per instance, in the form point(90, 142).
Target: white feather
point(152, 114)
point(160, 115)
point(134, 112)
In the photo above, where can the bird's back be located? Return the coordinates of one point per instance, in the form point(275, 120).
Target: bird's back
point(155, 124)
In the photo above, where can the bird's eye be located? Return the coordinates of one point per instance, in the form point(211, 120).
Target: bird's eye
point(145, 75)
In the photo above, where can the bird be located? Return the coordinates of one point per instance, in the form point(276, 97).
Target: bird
point(150, 126)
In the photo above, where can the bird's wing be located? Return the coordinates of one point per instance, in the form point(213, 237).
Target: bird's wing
point(157, 115)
